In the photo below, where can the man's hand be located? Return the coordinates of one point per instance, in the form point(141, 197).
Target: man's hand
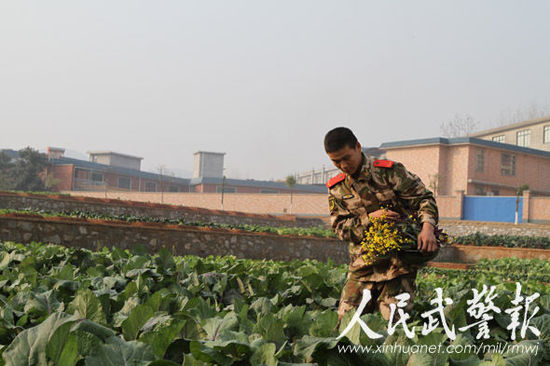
point(426, 239)
point(390, 215)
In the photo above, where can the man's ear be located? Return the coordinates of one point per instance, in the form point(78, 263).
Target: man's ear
point(358, 146)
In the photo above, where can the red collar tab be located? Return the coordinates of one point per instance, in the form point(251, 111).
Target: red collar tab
point(383, 163)
point(332, 181)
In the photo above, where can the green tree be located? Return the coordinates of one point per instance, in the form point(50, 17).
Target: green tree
point(6, 175)
point(290, 182)
point(27, 169)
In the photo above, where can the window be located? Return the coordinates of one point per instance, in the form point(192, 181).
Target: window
point(546, 134)
point(124, 182)
point(97, 177)
point(479, 191)
point(81, 174)
point(499, 138)
point(226, 189)
point(173, 189)
point(150, 187)
point(480, 160)
point(507, 164)
point(523, 137)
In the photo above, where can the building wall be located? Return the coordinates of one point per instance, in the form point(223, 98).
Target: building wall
point(510, 136)
point(420, 160)
point(65, 175)
point(125, 162)
point(456, 166)
point(116, 160)
point(111, 182)
point(449, 162)
point(208, 165)
point(531, 169)
point(101, 159)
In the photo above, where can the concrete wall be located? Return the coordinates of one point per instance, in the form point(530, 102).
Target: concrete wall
point(459, 228)
point(536, 138)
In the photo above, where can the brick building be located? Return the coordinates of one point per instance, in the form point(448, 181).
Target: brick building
point(111, 171)
point(473, 165)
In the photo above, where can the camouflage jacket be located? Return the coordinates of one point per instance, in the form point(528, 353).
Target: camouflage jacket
point(380, 183)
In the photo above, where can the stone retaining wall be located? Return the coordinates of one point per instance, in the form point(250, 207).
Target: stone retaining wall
point(20, 201)
point(182, 240)
point(460, 227)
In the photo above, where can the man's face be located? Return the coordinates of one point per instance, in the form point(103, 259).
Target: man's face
point(347, 159)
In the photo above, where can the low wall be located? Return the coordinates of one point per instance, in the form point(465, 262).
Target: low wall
point(263, 203)
point(472, 254)
point(180, 240)
point(183, 240)
point(461, 227)
point(539, 210)
point(57, 203)
point(450, 207)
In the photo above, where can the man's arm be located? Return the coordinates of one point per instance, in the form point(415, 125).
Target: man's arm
point(346, 225)
point(410, 188)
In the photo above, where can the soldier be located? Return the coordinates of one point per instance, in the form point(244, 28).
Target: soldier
point(355, 196)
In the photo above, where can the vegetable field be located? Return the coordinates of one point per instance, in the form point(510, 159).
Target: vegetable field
point(67, 306)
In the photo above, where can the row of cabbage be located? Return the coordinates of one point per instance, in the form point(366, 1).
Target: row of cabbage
point(69, 306)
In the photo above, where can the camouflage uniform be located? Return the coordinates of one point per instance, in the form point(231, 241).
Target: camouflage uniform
point(380, 183)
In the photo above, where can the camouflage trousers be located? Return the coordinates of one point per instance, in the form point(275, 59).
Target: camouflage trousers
point(382, 294)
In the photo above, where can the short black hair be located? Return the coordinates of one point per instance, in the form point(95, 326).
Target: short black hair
point(339, 137)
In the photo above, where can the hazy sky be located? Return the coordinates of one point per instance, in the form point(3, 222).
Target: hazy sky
point(262, 81)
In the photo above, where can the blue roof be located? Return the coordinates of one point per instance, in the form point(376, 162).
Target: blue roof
point(314, 188)
point(119, 170)
point(465, 140)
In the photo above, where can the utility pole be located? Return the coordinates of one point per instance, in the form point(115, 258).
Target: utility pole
point(161, 169)
point(223, 188)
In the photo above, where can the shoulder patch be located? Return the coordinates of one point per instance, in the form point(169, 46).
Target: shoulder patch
point(337, 179)
point(383, 163)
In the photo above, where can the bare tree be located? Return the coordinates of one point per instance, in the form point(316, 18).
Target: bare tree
point(532, 111)
point(459, 126)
